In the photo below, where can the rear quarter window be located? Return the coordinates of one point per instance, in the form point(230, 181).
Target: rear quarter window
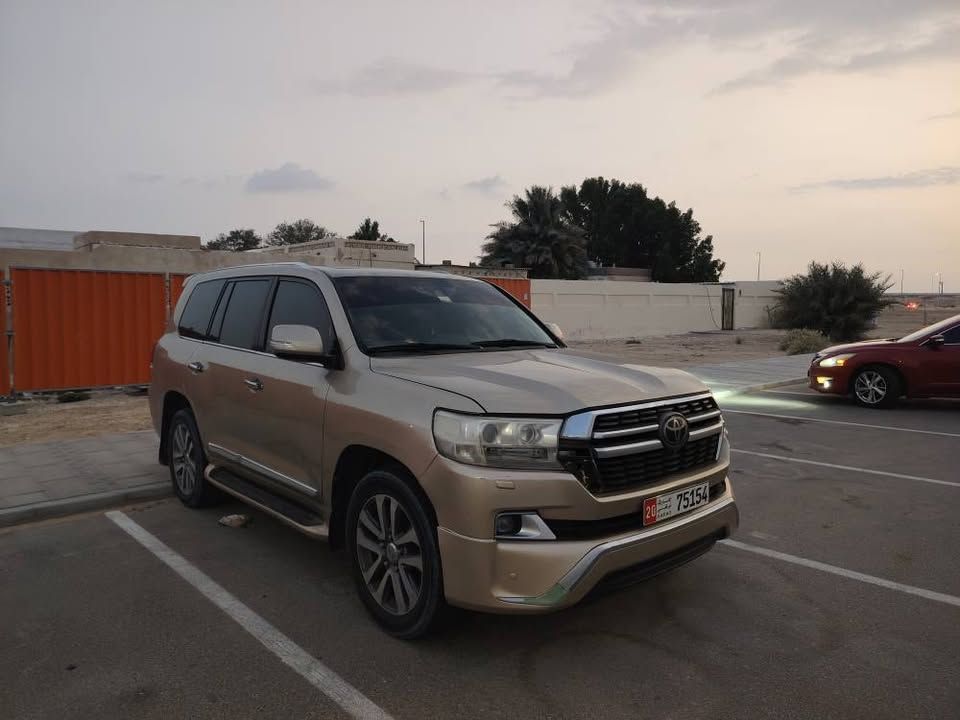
point(195, 318)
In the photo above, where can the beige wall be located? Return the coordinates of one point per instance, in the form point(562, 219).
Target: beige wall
point(172, 260)
point(594, 310)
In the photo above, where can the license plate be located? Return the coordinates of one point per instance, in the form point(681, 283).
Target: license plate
point(673, 503)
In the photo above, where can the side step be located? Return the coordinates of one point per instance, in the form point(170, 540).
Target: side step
point(292, 513)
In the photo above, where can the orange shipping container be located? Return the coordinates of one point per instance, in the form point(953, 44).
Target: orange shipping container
point(518, 287)
point(4, 341)
point(76, 329)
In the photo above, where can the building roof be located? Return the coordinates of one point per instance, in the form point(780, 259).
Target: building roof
point(35, 239)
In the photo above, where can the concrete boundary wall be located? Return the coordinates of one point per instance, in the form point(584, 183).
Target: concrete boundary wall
point(597, 310)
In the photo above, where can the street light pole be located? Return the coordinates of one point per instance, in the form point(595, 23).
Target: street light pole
point(423, 253)
point(758, 267)
point(901, 282)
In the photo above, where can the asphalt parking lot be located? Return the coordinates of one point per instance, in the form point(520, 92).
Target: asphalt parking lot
point(840, 598)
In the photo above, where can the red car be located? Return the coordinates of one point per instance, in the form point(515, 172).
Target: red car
point(877, 373)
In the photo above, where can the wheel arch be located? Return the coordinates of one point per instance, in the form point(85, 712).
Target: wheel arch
point(173, 402)
point(354, 462)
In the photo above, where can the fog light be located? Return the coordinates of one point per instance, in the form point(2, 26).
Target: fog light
point(825, 381)
point(507, 525)
point(521, 526)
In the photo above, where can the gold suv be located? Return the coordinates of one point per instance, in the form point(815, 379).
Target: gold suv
point(440, 432)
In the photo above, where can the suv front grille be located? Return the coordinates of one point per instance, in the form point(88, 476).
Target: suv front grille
point(646, 416)
point(623, 472)
point(620, 449)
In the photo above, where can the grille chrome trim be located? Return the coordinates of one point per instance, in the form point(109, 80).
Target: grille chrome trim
point(604, 434)
point(630, 449)
point(580, 426)
point(648, 445)
point(707, 431)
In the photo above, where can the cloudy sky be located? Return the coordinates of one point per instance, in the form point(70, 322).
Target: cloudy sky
point(822, 129)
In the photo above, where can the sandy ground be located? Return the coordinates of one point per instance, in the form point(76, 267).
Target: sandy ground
point(110, 412)
point(46, 419)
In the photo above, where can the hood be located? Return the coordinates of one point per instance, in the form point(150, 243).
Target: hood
point(853, 347)
point(540, 381)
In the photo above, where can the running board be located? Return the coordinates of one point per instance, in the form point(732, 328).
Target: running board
point(287, 511)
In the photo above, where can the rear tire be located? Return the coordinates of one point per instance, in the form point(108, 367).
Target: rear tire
point(394, 558)
point(876, 387)
point(187, 462)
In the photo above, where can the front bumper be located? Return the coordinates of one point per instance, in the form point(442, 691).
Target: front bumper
point(540, 576)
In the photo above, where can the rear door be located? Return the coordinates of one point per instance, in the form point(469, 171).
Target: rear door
point(230, 357)
point(942, 365)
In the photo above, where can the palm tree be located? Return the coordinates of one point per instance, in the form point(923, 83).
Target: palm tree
point(539, 238)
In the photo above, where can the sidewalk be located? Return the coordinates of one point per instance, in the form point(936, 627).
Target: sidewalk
point(62, 477)
point(50, 479)
point(747, 375)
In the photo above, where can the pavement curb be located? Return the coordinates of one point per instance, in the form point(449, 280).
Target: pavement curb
point(760, 386)
point(20, 514)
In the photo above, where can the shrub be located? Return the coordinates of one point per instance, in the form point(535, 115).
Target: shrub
point(796, 342)
point(837, 301)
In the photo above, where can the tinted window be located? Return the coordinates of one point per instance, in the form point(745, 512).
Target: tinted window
point(297, 303)
point(241, 321)
point(952, 337)
point(195, 317)
point(402, 310)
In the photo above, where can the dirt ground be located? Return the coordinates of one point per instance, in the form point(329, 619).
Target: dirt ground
point(113, 411)
point(104, 412)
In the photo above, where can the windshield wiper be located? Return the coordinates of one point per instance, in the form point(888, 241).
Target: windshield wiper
point(422, 347)
point(510, 343)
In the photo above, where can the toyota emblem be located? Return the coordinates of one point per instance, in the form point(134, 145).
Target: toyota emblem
point(674, 431)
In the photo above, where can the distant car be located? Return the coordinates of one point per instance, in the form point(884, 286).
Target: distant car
point(876, 373)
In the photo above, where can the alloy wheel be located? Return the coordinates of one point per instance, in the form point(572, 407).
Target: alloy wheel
point(184, 460)
point(870, 387)
point(389, 554)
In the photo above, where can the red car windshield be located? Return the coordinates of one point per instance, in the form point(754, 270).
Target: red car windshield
point(934, 329)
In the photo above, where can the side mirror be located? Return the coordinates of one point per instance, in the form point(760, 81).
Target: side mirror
point(300, 342)
point(555, 329)
point(936, 342)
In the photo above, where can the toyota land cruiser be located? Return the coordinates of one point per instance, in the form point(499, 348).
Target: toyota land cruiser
point(438, 431)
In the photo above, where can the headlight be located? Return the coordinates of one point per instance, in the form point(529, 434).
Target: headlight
point(835, 360)
point(498, 442)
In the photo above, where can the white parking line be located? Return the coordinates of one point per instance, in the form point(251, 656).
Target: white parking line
point(312, 670)
point(843, 572)
point(884, 473)
point(842, 422)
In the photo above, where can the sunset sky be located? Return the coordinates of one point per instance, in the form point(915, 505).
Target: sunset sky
point(802, 130)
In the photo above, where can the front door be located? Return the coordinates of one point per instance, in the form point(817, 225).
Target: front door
point(942, 365)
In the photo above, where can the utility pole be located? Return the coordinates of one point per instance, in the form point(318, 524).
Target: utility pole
point(901, 282)
point(758, 267)
point(423, 240)
point(940, 282)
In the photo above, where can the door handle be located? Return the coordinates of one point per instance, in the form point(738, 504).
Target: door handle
point(196, 367)
point(254, 384)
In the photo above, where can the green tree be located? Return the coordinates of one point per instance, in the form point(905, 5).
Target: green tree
point(539, 238)
point(837, 301)
point(299, 231)
point(625, 227)
point(237, 240)
point(370, 230)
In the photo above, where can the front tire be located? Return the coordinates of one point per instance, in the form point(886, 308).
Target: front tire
point(876, 387)
point(393, 554)
point(187, 462)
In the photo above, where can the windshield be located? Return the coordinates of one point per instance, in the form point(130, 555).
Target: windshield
point(934, 329)
point(423, 314)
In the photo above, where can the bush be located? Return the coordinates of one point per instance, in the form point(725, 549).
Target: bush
point(837, 301)
point(796, 342)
